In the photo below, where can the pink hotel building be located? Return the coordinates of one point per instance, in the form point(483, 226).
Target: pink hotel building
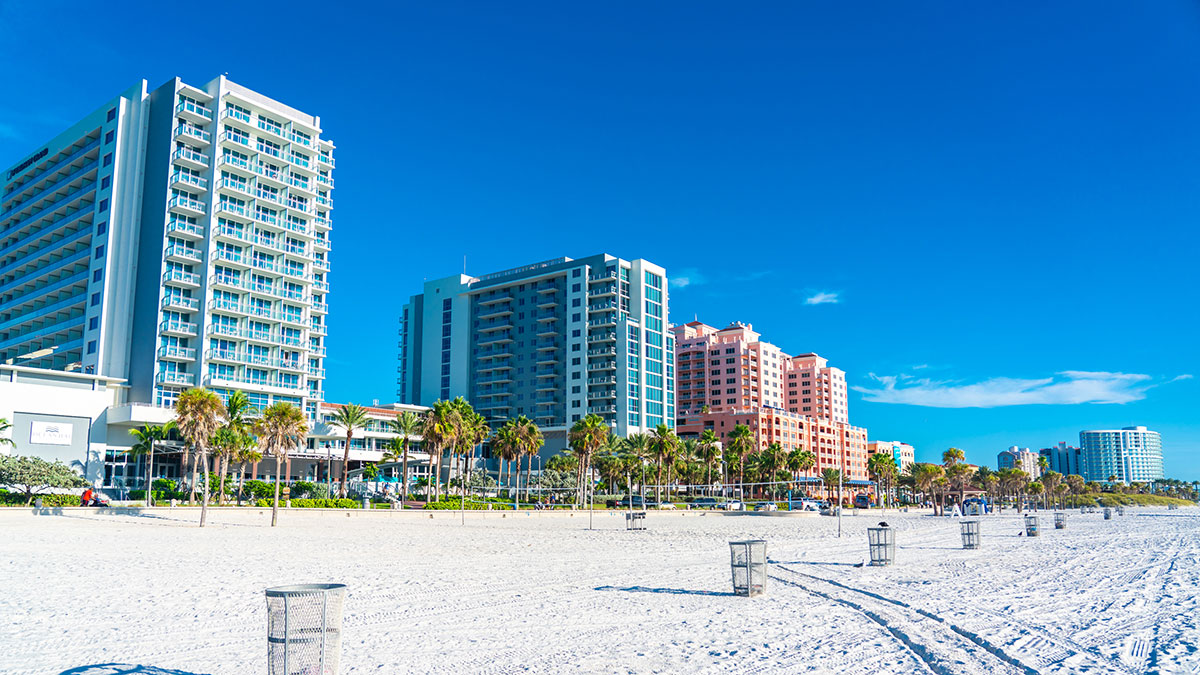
point(797, 401)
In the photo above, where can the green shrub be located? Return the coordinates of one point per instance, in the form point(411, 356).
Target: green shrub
point(259, 489)
point(18, 499)
point(302, 490)
point(313, 503)
point(473, 504)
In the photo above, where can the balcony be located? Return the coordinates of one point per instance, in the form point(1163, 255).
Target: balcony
point(324, 222)
point(193, 133)
point(231, 257)
point(268, 150)
point(551, 345)
point(185, 379)
point(321, 285)
point(232, 115)
point(237, 139)
point(179, 253)
point(227, 232)
point(268, 195)
point(602, 394)
point(235, 162)
point(301, 139)
point(186, 205)
point(325, 180)
point(192, 112)
point(181, 278)
point(181, 179)
point(241, 187)
point(546, 330)
point(602, 351)
point(177, 353)
point(316, 372)
point(494, 352)
point(601, 409)
point(299, 206)
point(189, 158)
point(317, 329)
point(503, 297)
point(604, 336)
point(320, 307)
point(496, 338)
point(181, 303)
point(493, 312)
point(272, 129)
point(320, 265)
point(184, 228)
point(181, 328)
point(608, 289)
point(602, 276)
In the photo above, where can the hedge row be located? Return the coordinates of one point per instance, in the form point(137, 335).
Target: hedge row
point(314, 503)
point(18, 499)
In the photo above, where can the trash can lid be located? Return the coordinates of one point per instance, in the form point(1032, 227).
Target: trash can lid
point(303, 589)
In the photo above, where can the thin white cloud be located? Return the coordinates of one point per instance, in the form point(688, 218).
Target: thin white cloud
point(688, 276)
point(822, 298)
point(1069, 387)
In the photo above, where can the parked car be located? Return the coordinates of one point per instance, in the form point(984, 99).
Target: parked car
point(705, 503)
point(732, 505)
point(829, 510)
point(666, 506)
point(766, 506)
point(862, 501)
point(804, 505)
point(635, 501)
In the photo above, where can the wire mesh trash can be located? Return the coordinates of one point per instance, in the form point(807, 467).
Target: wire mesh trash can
point(1120, 510)
point(1031, 526)
point(970, 534)
point(882, 543)
point(304, 629)
point(748, 563)
point(635, 520)
point(1107, 513)
point(1060, 521)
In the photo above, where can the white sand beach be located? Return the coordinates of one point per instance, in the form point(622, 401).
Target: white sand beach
point(542, 594)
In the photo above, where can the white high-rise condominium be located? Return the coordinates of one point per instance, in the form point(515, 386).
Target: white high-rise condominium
point(173, 238)
point(553, 341)
point(1131, 454)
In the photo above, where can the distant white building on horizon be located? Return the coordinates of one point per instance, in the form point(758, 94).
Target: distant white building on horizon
point(1131, 454)
point(1020, 458)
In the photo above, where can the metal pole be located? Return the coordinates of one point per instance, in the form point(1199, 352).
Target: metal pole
point(462, 506)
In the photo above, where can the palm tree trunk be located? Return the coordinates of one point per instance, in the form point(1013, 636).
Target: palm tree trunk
point(195, 475)
point(204, 503)
point(528, 474)
point(346, 466)
point(222, 468)
point(404, 485)
point(150, 476)
point(275, 503)
point(241, 481)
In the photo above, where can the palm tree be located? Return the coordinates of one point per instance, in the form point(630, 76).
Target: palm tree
point(708, 451)
point(506, 446)
point(1050, 481)
point(280, 428)
point(585, 437)
point(771, 461)
point(958, 479)
point(248, 454)
point(198, 414)
point(5, 425)
point(881, 467)
point(531, 442)
point(664, 441)
point(832, 478)
point(225, 444)
point(638, 446)
point(439, 430)
point(237, 420)
point(1076, 483)
point(741, 442)
point(403, 426)
point(473, 430)
point(147, 438)
point(801, 461)
point(351, 418)
point(924, 476)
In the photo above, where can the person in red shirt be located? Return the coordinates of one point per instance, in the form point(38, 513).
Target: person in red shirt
point(86, 500)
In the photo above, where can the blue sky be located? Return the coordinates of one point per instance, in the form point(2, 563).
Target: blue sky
point(985, 213)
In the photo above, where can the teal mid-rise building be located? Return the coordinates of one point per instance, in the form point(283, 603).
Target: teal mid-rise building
point(554, 341)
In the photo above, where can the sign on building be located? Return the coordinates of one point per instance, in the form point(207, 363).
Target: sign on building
point(50, 433)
